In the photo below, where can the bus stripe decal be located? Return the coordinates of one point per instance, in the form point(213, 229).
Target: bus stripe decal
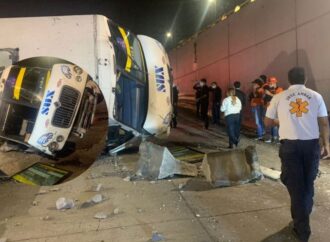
point(18, 84)
point(128, 50)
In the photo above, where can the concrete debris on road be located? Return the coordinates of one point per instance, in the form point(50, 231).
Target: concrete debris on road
point(270, 173)
point(64, 203)
point(234, 167)
point(97, 187)
point(157, 237)
point(127, 179)
point(7, 147)
point(116, 211)
point(96, 199)
point(101, 215)
point(157, 162)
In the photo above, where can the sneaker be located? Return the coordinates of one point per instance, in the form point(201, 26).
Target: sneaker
point(258, 139)
point(268, 141)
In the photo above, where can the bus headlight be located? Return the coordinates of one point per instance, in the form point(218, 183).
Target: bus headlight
point(59, 138)
point(53, 146)
point(78, 78)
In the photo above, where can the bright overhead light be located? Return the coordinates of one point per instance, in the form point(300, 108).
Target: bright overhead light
point(252, 1)
point(224, 17)
point(168, 34)
point(237, 8)
point(211, 1)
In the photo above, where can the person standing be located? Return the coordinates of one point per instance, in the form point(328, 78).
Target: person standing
point(175, 100)
point(242, 97)
point(271, 89)
point(204, 101)
point(216, 96)
point(257, 104)
point(198, 89)
point(232, 106)
point(303, 118)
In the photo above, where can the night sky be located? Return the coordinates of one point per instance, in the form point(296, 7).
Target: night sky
point(150, 17)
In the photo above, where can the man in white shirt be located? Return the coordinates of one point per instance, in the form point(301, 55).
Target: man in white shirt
point(303, 118)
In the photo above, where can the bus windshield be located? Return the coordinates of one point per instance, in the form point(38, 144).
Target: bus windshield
point(131, 88)
point(25, 85)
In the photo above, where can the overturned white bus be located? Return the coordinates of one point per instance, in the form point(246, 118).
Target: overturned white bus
point(132, 72)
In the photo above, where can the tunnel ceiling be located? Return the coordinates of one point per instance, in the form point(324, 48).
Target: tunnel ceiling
point(150, 17)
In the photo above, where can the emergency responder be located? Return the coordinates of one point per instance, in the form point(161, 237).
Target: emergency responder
point(303, 118)
point(175, 100)
point(216, 97)
point(198, 89)
point(204, 100)
point(271, 89)
point(257, 105)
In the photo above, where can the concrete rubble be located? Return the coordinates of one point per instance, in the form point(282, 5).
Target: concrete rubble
point(157, 162)
point(64, 203)
point(101, 215)
point(234, 167)
point(96, 199)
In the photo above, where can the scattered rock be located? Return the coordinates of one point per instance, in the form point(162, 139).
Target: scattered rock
point(152, 182)
point(42, 192)
point(97, 188)
point(97, 198)
point(116, 211)
point(127, 179)
point(46, 218)
point(157, 237)
point(101, 215)
point(181, 186)
point(35, 203)
point(198, 215)
point(54, 189)
point(64, 203)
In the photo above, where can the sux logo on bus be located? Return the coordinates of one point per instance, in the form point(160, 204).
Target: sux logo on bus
point(48, 101)
point(160, 79)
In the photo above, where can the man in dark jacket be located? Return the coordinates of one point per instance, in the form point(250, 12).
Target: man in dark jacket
point(241, 96)
point(216, 97)
point(198, 89)
point(204, 100)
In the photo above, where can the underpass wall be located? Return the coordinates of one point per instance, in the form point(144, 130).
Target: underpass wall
point(266, 37)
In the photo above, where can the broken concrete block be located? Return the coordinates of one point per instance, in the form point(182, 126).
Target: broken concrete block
point(64, 203)
point(234, 167)
point(157, 162)
point(270, 173)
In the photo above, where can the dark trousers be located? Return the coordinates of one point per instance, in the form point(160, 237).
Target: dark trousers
point(198, 108)
point(204, 113)
point(233, 128)
point(240, 119)
point(216, 113)
point(174, 121)
point(300, 163)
